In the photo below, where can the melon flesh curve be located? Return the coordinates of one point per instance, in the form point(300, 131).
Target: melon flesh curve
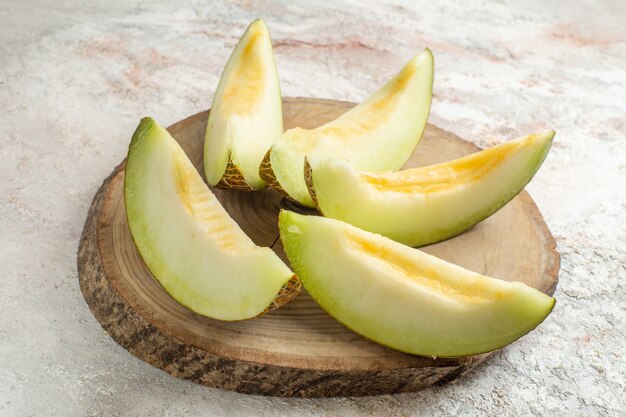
point(424, 205)
point(188, 241)
point(402, 297)
point(246, 116)
point(378, 134)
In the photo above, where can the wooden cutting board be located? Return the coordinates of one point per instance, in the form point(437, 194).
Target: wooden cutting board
point(297, 350)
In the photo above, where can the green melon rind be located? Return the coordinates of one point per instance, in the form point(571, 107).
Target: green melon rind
point(267, 174)
point(233, 178)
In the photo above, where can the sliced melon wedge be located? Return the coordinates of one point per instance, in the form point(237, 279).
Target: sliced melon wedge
point(402, 297)
point(424, 205)
point(246, 116)
point(378, 134)
point(189, 242)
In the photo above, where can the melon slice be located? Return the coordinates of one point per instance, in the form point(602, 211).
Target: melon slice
point(246, 116)
point(424, 205)
point(378, 134)
point(402, 297)
point(189, 242)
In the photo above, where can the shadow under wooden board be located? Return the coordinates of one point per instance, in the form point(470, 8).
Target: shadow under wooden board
point(297, 350)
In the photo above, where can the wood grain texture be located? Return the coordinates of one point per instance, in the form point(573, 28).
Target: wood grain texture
point(296, 350)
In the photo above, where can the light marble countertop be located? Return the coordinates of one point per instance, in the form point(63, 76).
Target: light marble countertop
point(75, 77)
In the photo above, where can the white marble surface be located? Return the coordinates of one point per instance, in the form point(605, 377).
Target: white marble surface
point(75, 77)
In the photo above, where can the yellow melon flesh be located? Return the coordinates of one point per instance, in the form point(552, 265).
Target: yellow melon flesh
point(402, 297)
point(189, 242)
point(246, 116)
point(378, 134)
point(424, 205)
